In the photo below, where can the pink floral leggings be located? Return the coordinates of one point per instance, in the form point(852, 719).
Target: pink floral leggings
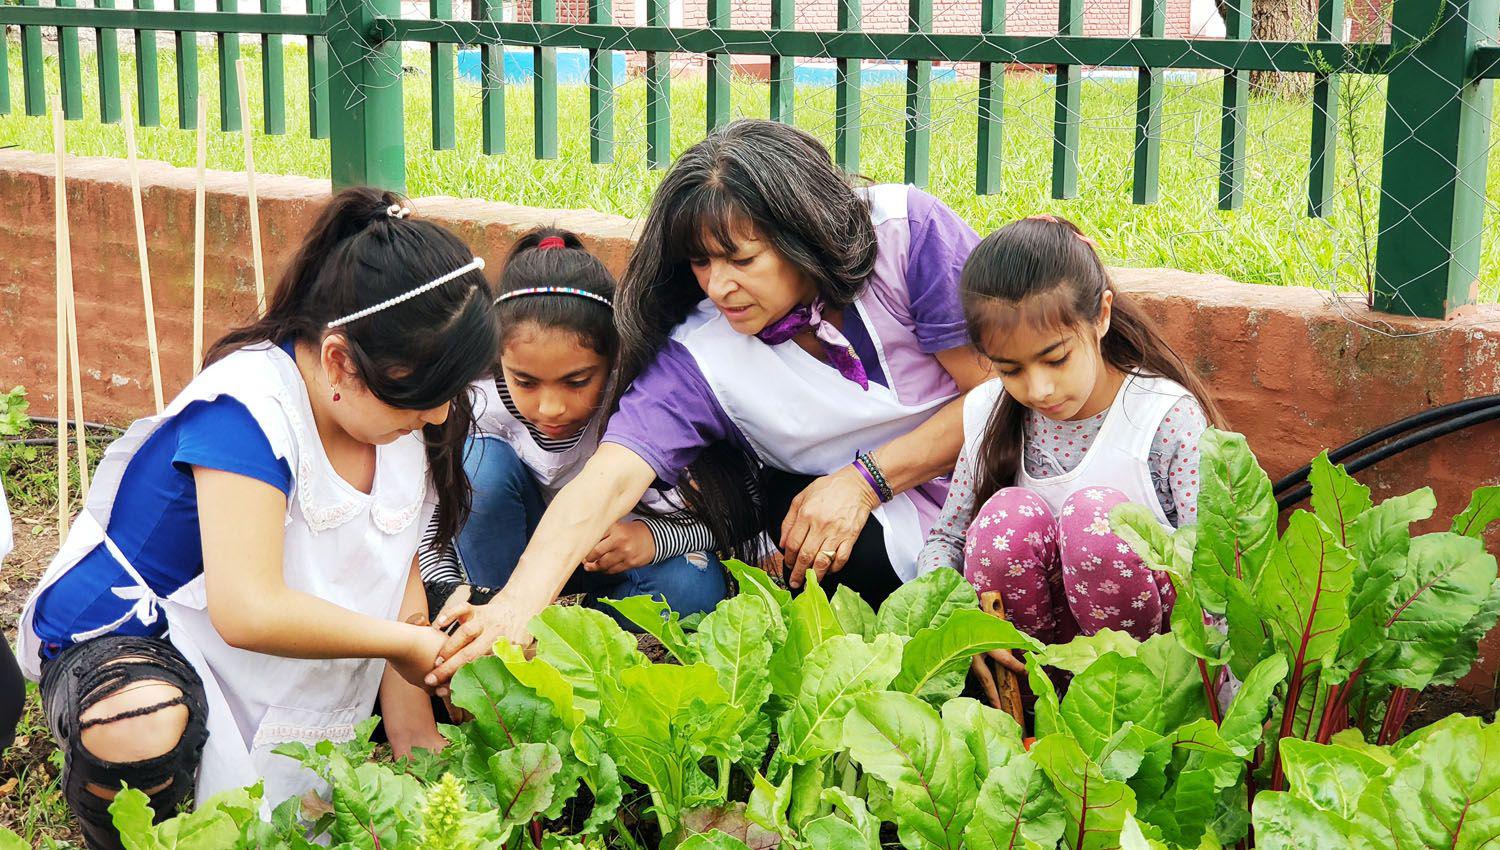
point(1062, 576)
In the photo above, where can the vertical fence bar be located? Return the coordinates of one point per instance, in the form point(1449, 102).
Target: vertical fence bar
point(492, 82)
point(33, 91)
point(918, 99)
point(658, 93)
point(991, 135)
point(317, 77)
point(147, 95)
point(1325, 118)
point(1437, 138)
point(187, 73)
point(1234, 114)
point(1065, 116)
point(70, 67)
point(366, 146)
point(229, 90)
point(601, 91)
point(4, 73)
point(544, 89)
point(444, 136)
point(718, 69)
point(272, 76)
point(783, 71)
point(107, 54)
point(847, 94)
point(1146, 185)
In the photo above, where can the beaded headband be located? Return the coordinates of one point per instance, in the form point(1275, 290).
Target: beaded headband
point(473, 265)
point(556, 290)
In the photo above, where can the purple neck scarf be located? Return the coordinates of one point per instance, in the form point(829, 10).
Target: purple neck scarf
point(840, 353)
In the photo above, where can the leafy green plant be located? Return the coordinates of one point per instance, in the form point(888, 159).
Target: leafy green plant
point(815, 721)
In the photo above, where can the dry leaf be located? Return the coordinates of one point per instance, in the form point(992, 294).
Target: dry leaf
point(8, 787)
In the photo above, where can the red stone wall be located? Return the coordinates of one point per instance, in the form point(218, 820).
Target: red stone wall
point(1293, 373)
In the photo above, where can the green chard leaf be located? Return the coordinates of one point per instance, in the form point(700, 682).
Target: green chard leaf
point(925, 603)
point(1236, 514)
point(658, 620)
point(811, 622)
point(1016, 808)
point(902, 741)
point(1483, 509)
point(754, 582)
point(837, 671)
point(1337, 499)
point(1304, 591)
point(935, 661)
point(732, 640)
point(1094, 808)
point(1446, 585)
point(588, 648)
point(854, 614)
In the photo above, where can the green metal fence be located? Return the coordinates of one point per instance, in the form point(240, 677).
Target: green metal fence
point(1439, 67)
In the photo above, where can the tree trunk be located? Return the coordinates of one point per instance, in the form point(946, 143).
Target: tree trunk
point(1280, 20)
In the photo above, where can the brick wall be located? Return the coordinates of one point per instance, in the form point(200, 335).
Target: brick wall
point(1291, 372)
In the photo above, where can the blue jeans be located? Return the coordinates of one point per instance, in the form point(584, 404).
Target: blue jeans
point(506, 509)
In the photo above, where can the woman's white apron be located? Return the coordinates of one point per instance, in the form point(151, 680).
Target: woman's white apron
point(343, 546)
point(800, 415)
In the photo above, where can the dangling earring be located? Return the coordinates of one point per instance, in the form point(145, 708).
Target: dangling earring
point(336, 396)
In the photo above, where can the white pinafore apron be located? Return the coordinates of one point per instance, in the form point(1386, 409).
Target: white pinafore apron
point(1119, 456)
point(552, 470)
point(800, 415)
point(343, 546)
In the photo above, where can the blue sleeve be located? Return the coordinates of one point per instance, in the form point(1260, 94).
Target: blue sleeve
point(221, 434)
point(940, 245)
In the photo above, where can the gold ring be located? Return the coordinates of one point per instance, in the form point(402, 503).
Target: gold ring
point(828, 553)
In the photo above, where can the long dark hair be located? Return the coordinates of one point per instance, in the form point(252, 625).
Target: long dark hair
point(565, 263)
point(751, 173)
point(416, 355)
point(1043, 272)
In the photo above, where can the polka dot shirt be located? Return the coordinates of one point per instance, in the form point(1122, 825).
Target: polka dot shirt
point(1056, 448)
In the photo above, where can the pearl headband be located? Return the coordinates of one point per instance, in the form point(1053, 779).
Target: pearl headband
point(475, 264)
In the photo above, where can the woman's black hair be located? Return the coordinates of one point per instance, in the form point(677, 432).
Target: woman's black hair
point(416, 355)
point(567, 263)
point(1044, 273)
point(751, 175)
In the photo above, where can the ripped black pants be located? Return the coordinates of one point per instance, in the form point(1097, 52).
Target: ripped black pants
point(93, 671)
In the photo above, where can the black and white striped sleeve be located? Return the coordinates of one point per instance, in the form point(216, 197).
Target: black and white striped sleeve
point(438, 565)
point(678, 534)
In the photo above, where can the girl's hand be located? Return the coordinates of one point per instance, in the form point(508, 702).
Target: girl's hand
point(627, 545)
point(480, 628)
point(421, 655)
point(824, 521)
point(423, 736)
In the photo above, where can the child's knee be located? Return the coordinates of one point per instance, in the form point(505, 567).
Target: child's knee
point(493, 466)
point(1013, 525)
point(142, 721)
point(1014, 504)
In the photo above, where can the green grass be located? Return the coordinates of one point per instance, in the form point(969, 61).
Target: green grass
point(1269, 241)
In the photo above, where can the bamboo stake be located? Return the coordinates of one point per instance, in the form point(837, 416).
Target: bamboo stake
point(65, 264)
point(140, 248)
point(255, 254)
point(198, 226)
point(60, 224)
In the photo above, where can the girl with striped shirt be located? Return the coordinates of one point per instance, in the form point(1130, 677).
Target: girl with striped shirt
point(538, 421)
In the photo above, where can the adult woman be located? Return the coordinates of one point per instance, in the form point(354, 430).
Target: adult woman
point(771, 315)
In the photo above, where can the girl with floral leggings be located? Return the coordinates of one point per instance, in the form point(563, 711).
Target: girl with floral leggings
point(1092, 409)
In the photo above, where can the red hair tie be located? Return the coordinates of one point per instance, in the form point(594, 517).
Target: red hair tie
point(551, 242)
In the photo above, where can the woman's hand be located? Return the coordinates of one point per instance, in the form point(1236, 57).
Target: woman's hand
point(824, 521)
point(627, 545)
point(480, 628)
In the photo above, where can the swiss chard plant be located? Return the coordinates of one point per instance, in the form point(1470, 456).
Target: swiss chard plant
point(816, 722)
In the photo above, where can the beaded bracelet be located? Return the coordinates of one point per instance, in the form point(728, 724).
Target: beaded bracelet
point(867, 465)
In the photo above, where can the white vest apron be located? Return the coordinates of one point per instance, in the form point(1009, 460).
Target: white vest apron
point(551, 470)
point(800, 415)
point(343, 546)
point(1119, 456)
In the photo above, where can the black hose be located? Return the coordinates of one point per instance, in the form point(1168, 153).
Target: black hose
point(73, 423)
point(1411, 440)
point(1386, 432)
